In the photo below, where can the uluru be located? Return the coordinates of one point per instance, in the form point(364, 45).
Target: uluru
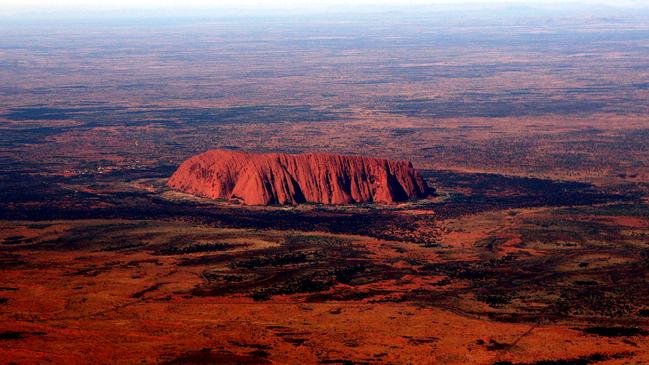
point(290, 179)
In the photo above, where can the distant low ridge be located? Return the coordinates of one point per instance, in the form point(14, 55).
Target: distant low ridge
point(277, 178)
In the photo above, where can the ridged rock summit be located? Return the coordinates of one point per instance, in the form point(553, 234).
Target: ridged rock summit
point(275, 178)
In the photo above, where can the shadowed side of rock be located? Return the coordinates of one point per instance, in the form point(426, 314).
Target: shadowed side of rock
point(273, 178)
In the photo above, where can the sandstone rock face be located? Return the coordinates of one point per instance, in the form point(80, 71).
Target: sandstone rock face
point(274, 178)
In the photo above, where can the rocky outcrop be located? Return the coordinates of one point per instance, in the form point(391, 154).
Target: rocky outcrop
point(275, 178)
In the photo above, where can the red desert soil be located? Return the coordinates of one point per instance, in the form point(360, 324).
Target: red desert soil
point(92, 306)
point(274, 178)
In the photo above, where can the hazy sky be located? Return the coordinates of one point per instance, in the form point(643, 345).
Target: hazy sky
point(264, 4)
